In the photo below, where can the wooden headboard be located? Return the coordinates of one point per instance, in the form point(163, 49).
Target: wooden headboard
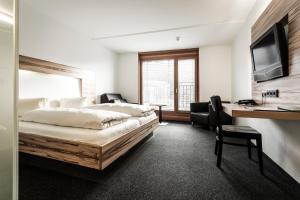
point(86, 78)
point(289, 87)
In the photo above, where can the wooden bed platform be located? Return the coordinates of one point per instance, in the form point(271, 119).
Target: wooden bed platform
point(79, 153)
point(84, 154)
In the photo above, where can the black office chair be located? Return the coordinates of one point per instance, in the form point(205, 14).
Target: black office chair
point(232, 131)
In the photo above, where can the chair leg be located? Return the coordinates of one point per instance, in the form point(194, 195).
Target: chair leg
point(259, 151)
point(249, 148)
point(216, 147)
point(219, 157)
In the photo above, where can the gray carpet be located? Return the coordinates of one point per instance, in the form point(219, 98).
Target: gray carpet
point(176, 163)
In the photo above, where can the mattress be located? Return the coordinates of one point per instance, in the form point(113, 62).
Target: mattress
point(90, 136)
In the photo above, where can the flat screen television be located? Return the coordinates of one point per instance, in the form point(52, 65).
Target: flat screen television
point(270, 54)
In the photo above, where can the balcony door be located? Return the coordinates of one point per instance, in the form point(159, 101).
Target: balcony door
point(186, 84)
point(170, 78)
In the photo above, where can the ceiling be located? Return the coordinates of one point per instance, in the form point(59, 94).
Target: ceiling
point(149, 25)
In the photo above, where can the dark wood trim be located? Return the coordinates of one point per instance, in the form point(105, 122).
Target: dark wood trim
point(140, 82)
point(168, 53)
point(177, 116)
point(198, 80)
point(174, 116)
point(176, 55)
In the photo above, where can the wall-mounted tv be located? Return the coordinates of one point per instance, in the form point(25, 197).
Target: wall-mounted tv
point(270, 54)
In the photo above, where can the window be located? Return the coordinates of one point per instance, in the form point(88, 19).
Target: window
point(186, 83)
point(158, 83)
point(169, 78)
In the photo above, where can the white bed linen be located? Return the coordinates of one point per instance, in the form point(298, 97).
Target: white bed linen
point(144, 120)
point(134, 110)
point(72, 117)
point(97, 137)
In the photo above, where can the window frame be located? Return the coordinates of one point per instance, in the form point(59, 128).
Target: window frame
point(176, 55)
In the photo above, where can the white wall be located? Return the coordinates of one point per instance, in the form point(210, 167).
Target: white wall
point(52, 86)
point(281, 139)
point(43, 37)
point(215, 72)
point(127, 76)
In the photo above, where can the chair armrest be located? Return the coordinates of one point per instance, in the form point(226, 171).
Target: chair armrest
point(199, 107)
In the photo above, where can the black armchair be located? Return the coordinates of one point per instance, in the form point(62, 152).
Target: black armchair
point(112, 98)
point(200, 113)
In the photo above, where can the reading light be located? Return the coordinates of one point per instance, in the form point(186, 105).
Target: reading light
point(6, 18)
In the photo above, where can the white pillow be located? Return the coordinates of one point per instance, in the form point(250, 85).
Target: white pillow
point(53, 103)
point(26, 105)
point(73, 102)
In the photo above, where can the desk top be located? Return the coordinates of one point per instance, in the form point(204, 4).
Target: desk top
point(266, 112)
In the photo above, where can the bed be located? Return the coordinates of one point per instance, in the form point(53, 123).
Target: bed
point(90, 148)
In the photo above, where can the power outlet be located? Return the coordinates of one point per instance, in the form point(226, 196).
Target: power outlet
point(271, 93)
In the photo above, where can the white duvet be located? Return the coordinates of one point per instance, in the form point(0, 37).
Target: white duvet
point(135, 110)
point(72, 117)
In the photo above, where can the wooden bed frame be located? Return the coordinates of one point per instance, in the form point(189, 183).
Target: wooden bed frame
point(84, 154)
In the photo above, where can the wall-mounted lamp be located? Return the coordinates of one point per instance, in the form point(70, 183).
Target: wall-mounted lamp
point(6, 18)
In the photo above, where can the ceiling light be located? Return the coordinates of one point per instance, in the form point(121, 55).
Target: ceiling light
point(6, 18)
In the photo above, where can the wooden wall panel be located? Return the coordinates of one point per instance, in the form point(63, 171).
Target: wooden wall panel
point(87, 78)
point(289, 87)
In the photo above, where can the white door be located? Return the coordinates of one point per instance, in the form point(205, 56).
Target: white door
point(7, 102)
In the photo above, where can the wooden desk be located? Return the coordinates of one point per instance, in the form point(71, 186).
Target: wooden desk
point(235, 110)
